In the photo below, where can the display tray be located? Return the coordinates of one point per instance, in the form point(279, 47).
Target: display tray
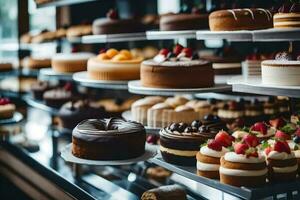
point(149, 130)
point(170, 35)
point(49, 74)
point(266, 35)
point(66, 154)
point(244, 36)
point(136, 88)
point(82, 79)
point(17, 117)
point(233, 96)
point(120, 37)
point(273, 35)
point(254, 85)
point(269, 190)
point(40, 105)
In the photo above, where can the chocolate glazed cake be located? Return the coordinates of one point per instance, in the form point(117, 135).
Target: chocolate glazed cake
point(108, 139)
point(179, 143)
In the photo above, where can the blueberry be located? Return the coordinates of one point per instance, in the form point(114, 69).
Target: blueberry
point(296, 139)
point(174, 127)
point(181, 127)
point(188, 129)
point(209, 117)
point(196, 124)
point(203, 129)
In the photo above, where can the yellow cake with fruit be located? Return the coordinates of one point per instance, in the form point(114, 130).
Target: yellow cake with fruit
point(114, 65)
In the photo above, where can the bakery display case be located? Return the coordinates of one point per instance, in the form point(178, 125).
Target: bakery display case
point(132, 99)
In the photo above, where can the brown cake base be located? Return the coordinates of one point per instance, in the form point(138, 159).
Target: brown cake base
point(209, 174)
point(279, 177)
point(69, 66)
point(163, 76)
point(174, 22)
point(239, 181)
point(287, 20)
point(209, 160)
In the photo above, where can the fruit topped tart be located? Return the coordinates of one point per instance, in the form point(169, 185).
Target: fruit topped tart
point(112, 64)
point(245, 166)
point(208, 158)
point(7, 108)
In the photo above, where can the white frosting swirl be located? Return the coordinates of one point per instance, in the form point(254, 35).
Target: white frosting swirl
point(285, 169)
point(275, 155)
point(297, 153)
point(240, 158)
point(210, 152)
point(207, 166)
point(239, 172)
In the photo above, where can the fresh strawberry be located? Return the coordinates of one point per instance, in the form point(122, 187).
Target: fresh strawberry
point(187, 51)
point(268, 150)
point(177, 49)
point(260, 127)
point(68, 87)
point(164, 52)
point(277, 123)
point(250, 140)
point(282, 146)
point(112, 14)
point(282, 135)
point(253, 56)
point(4, 101)
point(240, 148)
point(252, 154)
point(224, 138)
point(215, 145)
point(297, 133)
point(152, 139)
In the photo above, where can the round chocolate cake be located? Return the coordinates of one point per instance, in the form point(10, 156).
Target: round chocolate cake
point(108, 139)
point(180, 142)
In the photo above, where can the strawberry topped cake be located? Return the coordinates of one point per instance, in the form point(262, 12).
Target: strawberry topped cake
point(208, 158)
point(288, 16)
point(282, 162)
point(245, 166)
point(262, 131)
point(7, 108)
point(179, 68)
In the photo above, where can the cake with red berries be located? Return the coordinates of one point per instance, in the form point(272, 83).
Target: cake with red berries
point(225, 61)
point(240, 19)
point(112, 24)
point(114, 65)
point(288, 16)
point(245, 166)
point(7, 108)
point(184, 21)
point(282, 163)
point(208, 158)
point(177, 69)
point(179, 142)
point(262, 131)
point(285, 67)
point(70, 62)
point(252, 65)
point(231, 110)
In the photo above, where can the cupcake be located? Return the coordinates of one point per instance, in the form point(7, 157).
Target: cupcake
point(140, 108)
point(245, 166)
point(7, 108)
point(231, 111)
point(253, 112)
point(262, 131)
point(208, 158)
point(282, 163)
point(38, 89)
